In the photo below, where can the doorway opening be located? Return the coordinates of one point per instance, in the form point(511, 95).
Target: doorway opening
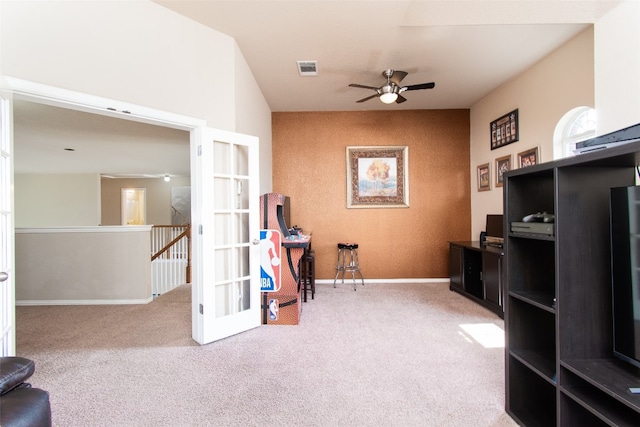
point(133, 205)
point(48, 96)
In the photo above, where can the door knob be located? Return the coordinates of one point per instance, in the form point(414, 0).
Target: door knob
point(3, 276)
point(256, 242)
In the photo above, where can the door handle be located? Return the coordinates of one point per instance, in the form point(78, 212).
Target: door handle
point(256, 242)
point(3, 276)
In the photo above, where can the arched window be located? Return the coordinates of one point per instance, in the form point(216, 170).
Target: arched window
point(576, 125)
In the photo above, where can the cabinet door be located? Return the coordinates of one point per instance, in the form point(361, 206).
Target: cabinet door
point(491, 278)
point(455, 266)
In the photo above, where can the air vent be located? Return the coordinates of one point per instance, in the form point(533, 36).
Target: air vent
point(308, 68)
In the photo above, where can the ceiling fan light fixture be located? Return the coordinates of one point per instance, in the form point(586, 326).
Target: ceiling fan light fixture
point(389, 97)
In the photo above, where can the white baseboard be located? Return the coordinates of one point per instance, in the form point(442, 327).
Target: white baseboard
point(84, 302)
point(436, 280)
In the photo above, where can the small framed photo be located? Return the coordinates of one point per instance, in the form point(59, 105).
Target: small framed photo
point(529, 157)
point(484, 177)
point(503, 164)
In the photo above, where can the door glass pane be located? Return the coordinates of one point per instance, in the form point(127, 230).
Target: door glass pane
point(221, 158)
point(241, 234)
point(245, 295)
point(223, 298)
point(222, 223)
point(4, 242)
point(241, 157)
point(242, 193)
point(4, 211)
point(221, 190)
point(242, 262)
point(4, 181)
point(223, 265)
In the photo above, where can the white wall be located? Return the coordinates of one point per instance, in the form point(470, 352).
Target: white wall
point(253, 117)
point(137, 52)
point(132, 51)
point(542, 94)
point(617, 68)
point(87, 265)
point(57, 200)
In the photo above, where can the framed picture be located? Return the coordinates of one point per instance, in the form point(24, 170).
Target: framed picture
point(529, 157)
point(378, 177)
point(484, 177)
point(503, 164)
point(504, 130)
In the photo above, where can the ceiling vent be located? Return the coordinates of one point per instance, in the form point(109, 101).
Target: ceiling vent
point(308, 68)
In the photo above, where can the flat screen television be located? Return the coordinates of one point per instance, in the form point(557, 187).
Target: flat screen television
point(625, 272)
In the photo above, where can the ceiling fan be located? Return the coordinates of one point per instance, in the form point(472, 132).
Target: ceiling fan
point(390, 92)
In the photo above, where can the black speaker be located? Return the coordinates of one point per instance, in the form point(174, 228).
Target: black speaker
point(483, 237)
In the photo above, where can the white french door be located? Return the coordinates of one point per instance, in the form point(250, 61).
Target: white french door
point(226, 251)
point(7, 283)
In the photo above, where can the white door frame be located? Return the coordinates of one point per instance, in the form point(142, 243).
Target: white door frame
point(7, 234)
point(15, 88)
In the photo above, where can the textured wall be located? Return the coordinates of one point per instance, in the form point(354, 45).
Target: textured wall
point(309, 165)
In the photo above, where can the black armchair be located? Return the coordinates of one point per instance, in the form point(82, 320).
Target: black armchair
point(20, 404)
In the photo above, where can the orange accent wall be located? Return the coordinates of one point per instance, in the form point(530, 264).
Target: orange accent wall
point(309, 166)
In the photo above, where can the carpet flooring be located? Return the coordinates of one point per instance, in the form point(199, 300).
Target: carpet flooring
point(401, 354)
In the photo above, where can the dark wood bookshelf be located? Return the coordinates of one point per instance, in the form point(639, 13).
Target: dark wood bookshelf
point(560, 368)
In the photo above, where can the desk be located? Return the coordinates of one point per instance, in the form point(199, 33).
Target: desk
point(475, 271)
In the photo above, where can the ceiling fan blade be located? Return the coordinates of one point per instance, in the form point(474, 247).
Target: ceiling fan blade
point(420, 86)
point(368, 98)
point(400, 99)
point(398, 76)
point(363, 86)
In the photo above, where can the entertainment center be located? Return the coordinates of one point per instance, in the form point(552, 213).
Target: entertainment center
point(476, 272)
point(560, 366)
point(475, 268)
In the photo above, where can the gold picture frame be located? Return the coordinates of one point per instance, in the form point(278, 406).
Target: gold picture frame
point(503, 164)
point(529, 157)
point(378, 177)
point(484, 177)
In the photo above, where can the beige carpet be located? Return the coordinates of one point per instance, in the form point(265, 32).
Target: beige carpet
point(386, 355)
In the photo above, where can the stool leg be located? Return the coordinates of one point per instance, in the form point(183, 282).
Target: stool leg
point(339, 267)
point(352, 267)
point(358, 267)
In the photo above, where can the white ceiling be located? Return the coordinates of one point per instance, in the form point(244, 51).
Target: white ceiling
point(102, 145)
point(467, 47)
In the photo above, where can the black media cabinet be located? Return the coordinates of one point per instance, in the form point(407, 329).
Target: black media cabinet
point(475, 271)
point(559, 368)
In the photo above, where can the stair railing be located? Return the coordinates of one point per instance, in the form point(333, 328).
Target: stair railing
point(171, 257)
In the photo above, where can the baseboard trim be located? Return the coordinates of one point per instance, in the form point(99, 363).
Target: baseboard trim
point(425, 281)
point(84, 302)
point(148, 300)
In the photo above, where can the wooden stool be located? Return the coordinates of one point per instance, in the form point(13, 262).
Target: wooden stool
point(348, 262)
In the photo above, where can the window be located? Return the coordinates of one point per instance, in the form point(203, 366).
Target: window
point(575, 126)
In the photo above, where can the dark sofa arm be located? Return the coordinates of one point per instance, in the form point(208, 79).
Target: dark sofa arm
point(25, 407)
point(14, 371)
point(21, 405)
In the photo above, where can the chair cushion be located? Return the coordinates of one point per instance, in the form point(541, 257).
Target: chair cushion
point(14, 371)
